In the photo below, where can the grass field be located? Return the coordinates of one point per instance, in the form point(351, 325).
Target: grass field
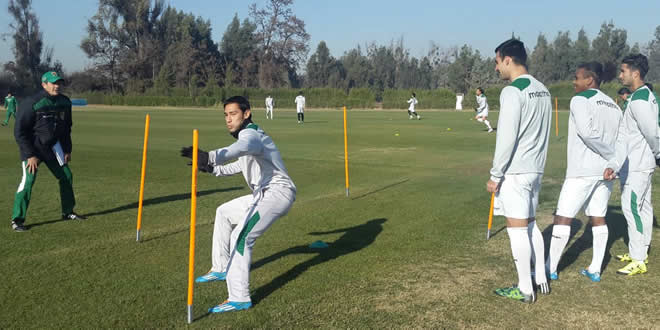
point(407, 249)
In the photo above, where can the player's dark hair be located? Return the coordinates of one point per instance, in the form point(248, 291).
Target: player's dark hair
point(300, 93)
point(592, 69)
point(637, 62)
point(242, 102)
point(480, 90)
point(515, 49)
point(414, 94)
point(623, 90)
point(649, 85)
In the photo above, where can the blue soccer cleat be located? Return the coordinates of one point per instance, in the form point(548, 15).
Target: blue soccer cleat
point(211, 276)
point(230, 306)
point(554, 276)
point(594, 277)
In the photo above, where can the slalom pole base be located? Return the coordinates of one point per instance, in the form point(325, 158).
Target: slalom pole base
point(347, 193)
point(488, 234)
point(190, 314)
point(137, 236)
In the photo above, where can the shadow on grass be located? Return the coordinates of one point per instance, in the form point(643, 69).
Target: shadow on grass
point(381, 189)
point(151, 201)
point(354, 239)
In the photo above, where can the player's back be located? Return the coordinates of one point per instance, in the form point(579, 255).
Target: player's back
point(641, 114)
point(529, 101)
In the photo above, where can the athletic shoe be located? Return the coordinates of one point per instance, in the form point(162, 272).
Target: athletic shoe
point(419, 117)
point(515, 294)
point(594, 277)
point(633, 268)
point(411, 117)
point(211, 276)
point(554, 276)
point(73, 216)
point(18, 226)
point(544, 288)
point(490, 130)
point(626, 258)
point(230, 306)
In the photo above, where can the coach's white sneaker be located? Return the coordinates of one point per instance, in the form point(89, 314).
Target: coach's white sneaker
point(490, 130)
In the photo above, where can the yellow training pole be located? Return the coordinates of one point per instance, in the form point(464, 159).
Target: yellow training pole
point(346, 152)
point(490, 215)
point(556, 117)
point(193, 214)
point(143, 173)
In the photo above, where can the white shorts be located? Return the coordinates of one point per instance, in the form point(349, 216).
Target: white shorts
point(518, 196)
point(483, 114)
point(300, 110)
point(590, 193)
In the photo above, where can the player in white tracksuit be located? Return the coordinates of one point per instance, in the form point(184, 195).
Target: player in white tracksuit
point(520, 154)
point(482, 109)
point(411, 108)
point(239, 222)
point(593, 127)
point(269, 107)
point(639, 148)
point(300, 107)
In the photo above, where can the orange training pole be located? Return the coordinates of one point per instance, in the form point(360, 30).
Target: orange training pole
point(193, 214)
point(556, 117)
point(490, 215)
point(346, 152)
point(143, 173)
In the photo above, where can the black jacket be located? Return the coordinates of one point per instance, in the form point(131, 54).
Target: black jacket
point(43, 120)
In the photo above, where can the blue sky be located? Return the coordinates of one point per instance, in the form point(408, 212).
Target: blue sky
point(343, 24)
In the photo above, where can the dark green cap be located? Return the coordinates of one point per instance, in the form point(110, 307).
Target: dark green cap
point(51, 77)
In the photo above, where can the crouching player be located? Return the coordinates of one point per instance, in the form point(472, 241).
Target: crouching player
point(593, 127)
point(239, 222)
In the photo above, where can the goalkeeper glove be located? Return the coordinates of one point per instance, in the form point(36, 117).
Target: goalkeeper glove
point(202, 158)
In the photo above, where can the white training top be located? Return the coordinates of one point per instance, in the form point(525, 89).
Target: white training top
point(482, 105)
point(593, 126)
point(269, 102)
point(258, 159)
point(523, 128)
point(413, 102)
point(638, 134)
point(300, 103)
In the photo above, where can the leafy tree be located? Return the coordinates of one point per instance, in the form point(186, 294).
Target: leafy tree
point(609, 48)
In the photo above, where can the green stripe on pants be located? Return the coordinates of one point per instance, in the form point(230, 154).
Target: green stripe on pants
point(635, 212)
point(240, 245)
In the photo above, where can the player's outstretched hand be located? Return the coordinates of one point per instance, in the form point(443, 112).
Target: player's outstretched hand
point(202, 159)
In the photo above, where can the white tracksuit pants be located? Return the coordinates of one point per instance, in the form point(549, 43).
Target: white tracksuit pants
point(238, 224)
point(638, 210)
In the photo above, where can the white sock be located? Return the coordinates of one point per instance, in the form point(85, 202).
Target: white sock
point(487, 124)
point(538, 251)
point(600, 234)
point(560, 235)
point(522, 254)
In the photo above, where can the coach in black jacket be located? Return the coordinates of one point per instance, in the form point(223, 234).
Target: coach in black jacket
point(43, 134)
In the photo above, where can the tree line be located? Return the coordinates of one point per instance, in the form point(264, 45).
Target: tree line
point(150, 48)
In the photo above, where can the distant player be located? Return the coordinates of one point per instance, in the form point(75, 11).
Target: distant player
point(269, 107)
point(624, 95)
point(300, 107)
point(411, 109)
point(640, 149)
point(10, 105)
point(239, 222)
point(482, 109)
point(593, 126)
point(520, 155)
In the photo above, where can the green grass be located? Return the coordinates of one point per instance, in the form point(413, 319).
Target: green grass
point(407, 249)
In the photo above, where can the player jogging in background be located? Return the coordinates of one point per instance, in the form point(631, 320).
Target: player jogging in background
point(593, 126)
point(482, 109)
point(300, 107)
point(10, 105)
point(411, 109)
point(639, 148)
point(269, 107)
point(624, 95)
point(239, 222)
point(518, 164)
